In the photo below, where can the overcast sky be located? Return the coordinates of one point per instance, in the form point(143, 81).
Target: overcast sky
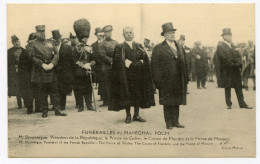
point(197, 21)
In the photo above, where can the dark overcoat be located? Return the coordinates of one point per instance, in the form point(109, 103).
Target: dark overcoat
point(170, 74)
point(98, 65)
point(12, 73)
point(24, 73)
point(43, 52)
point(65, 69)
point(229, 68)
point(202, 63)
point(126, 83)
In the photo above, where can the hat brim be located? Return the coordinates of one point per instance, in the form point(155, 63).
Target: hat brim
point(162, 34)
point(226, 34)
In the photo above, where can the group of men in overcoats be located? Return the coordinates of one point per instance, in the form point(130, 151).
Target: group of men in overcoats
point(126, 73)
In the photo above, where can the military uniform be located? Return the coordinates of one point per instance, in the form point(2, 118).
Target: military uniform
point(83, 84)
point(106, 50)
point(46, 80)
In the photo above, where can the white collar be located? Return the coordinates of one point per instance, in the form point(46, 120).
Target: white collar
point(99, 41)
point(130, 43)
point(171, 44)
point(229, 44)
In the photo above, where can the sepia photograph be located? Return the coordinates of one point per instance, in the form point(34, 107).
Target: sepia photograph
point(139, 80)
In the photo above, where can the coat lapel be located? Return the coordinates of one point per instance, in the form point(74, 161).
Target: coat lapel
point(168, 48)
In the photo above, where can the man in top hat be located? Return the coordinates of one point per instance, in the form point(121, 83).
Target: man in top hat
point(19, 71)
point(98, 66)
point(64, 68)
point(45, 59)
point(201, 63)
point(170, 75)
point(187, 53)
point(106, 51)
point(230, 63)
point(83, 61)
point(132, 82)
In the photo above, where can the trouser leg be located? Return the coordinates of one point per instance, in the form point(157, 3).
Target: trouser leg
point(55, 95)
point(19, 101)
point(63, 98)
point(136, 111)
point(43, 97)
point(168, 114)
point(240, 97)
point(128, 113)
point(175, 115)
point(228, 96)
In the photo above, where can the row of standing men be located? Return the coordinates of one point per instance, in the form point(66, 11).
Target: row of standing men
point(126, 76)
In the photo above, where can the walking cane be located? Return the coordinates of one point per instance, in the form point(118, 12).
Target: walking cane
point(93, 94)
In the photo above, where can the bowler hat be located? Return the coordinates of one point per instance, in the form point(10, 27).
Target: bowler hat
point(14, 38)
point(107, 28)
point(167, 27)
point(82, 28)
point(182, 37)
point(40, 28)
point(56, 34)
point(226, 31)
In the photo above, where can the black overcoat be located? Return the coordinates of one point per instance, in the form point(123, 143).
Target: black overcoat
point(230, 65)
point(170, 74)
point(122, 78)
point(65, 69)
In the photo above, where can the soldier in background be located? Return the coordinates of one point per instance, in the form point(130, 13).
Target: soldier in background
point(249, 71)
point(210, 64)
point(200, 64)
point(187, 54)
point(98, 66)
point(148, 49)
point(43, 74)
point(106, 50)
point(230, 65)
point(82, 60)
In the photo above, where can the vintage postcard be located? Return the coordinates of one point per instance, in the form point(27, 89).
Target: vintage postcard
point(131, 80)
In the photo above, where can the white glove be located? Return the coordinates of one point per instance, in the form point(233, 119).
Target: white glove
point(142, 61)
point(87, 66)
point(127, 63)
point(198, 56)
point(50, 66)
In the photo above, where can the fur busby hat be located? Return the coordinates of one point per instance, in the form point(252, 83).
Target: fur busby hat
point(82, 28)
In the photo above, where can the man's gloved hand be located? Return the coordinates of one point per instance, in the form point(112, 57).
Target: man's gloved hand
point(87, 66)
point(45, 67)
point(198, 57)
point(50, 66)
point(128, 63)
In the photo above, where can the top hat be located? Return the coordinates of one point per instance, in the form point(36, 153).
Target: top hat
point(182, 37)
point(32, 36)
point(56, 34)
point(167, 27)
point(14, 38)
point(40, 28)
point(82, 28)
point(98, 30)
point(107, 28)
point(226, 31)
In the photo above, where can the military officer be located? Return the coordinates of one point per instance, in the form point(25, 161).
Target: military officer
point(45, 59)
point(106, 50)
point(83, 60)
